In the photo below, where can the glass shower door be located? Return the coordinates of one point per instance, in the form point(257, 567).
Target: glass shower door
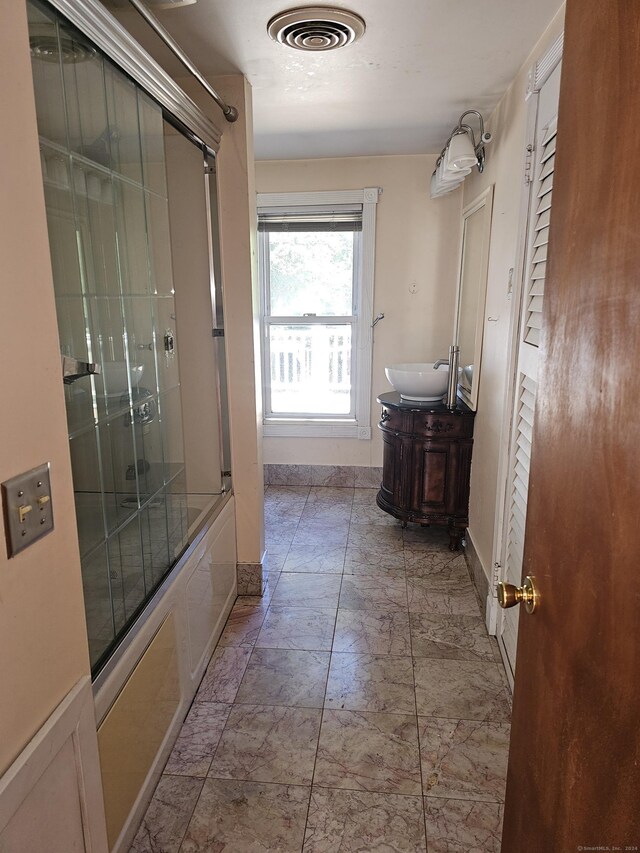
point(102, 144)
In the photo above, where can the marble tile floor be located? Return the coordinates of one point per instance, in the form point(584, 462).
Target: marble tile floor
point(358, 706)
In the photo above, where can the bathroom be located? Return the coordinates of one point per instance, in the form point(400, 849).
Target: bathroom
point(218, 517)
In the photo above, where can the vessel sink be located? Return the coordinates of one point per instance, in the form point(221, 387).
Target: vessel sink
point(115, 376)
point(419, 381)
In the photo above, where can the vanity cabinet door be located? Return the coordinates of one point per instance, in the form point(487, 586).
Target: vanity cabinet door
point(391, 486)
point(434, 468)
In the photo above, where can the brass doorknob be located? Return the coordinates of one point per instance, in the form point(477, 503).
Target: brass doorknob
point(510, 595)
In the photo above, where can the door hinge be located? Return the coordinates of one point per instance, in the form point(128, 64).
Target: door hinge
point(217, 333)
point(528, 163)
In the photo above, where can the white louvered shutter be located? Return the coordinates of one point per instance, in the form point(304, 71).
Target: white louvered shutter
point(519, 489)
point(526, 372)
point(543, 192)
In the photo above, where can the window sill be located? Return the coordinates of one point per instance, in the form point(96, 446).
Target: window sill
point(316, 429)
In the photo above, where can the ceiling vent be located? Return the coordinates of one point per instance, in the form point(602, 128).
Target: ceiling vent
point(316, 28)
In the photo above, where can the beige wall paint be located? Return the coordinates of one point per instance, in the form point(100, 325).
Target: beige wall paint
point(195, 346)
point(43, 644)
point(504, 169)
point(237, 205)
point(416, 244)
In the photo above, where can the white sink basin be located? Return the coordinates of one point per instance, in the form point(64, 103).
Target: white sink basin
point(115, 377)
point(419, 381)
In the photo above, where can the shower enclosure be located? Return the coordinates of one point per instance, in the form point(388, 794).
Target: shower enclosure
point(130, 200)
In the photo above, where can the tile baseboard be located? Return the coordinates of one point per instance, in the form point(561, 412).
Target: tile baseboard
point(251, 578)
point(336, 476)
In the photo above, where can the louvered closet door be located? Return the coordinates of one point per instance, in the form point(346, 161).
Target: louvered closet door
point(526, 374)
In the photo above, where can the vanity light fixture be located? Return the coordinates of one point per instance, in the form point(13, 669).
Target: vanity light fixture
point(459, 155)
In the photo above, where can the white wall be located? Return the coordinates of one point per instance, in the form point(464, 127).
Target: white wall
point(416, 248)
point(504, 169)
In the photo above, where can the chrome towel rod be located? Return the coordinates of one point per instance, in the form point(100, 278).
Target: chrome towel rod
point(229, 112)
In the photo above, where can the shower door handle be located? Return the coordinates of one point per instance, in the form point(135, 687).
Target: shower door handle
point(73, 369)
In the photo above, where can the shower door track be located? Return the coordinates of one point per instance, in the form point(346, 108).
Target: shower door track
point(137, 626)
point(99, 25)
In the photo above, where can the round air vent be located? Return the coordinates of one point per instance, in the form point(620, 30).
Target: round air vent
point(316, 28)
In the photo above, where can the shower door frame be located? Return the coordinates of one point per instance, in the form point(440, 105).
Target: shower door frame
point(100, 27)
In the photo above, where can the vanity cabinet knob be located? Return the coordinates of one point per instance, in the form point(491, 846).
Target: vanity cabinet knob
point(438, 426)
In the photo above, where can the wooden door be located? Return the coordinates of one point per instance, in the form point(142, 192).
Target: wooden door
point(574, 766)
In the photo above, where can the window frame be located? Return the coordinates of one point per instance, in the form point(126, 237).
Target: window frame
point(357, 424)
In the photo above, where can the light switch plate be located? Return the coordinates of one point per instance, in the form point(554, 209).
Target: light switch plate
point(28, 508)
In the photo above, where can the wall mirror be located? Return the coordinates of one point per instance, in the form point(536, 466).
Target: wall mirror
point(472, 289)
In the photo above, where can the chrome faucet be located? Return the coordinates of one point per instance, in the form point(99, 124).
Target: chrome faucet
point(440, 362)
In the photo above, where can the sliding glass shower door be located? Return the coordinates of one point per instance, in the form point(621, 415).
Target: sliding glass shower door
point(105, 184)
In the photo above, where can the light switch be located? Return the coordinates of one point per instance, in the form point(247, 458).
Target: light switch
point(28, 508)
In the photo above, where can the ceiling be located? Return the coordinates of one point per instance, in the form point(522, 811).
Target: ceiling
point(399, 90)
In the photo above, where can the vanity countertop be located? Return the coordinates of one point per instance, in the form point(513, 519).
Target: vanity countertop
point(393, 400)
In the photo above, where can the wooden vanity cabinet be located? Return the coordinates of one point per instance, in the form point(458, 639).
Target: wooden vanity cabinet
point(426, 463)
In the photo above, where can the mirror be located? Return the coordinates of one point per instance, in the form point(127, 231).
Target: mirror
point(472, 288)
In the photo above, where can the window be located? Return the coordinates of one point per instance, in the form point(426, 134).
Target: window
point(316, 254)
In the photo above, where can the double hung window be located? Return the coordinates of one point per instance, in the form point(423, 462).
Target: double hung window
point(316, 270)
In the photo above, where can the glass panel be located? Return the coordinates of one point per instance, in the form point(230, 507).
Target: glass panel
point(141, 345)
point(177, 519)
point(311, 273)
point(87, 489)
point(164, 310)
point(120, 484)
point(126, 570)
point(100, 214)
point(86, 99)
point(47, 75)
point(61, 222)
point(131, 227)
point(171, 417)
point(160, 242)
point(112, 390)
point(152, 139)
point(124, 130)
point(151, 467)
point(155, 543)
point(310, 369)
point(97, 593)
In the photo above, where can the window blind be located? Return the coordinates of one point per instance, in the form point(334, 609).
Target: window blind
point(320, 219)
